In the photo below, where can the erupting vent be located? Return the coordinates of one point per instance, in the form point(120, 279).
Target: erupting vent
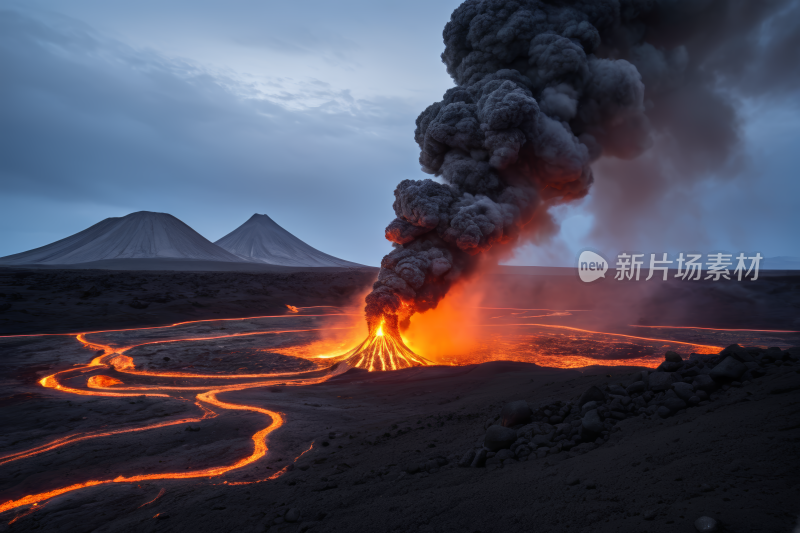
point(384, 349)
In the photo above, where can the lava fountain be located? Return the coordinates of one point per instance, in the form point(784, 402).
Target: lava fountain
point(383, 349)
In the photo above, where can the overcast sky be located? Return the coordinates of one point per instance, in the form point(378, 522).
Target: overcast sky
point(304, 110)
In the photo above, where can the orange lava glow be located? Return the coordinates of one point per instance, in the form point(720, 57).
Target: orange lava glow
point(276, 475)
point(72, 439)
point(113, 358)
point(122, 362)
point(448, 331)
point(160, 494)
point(259, 451)
point(707, 348)
point(101, 382)
point(383, 350)
point(446, 334)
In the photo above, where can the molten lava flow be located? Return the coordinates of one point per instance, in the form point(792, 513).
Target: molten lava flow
point(292, 309)
point(101, 382)
point(160, 494)
point(384, 349)
point(71, 439)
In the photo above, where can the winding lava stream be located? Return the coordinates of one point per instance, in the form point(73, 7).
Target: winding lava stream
point(114, 358)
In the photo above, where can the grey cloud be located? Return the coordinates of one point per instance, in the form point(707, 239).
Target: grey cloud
point(89, 119)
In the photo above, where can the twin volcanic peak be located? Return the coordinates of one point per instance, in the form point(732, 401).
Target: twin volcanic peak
point(148, 235)
point(261, 240)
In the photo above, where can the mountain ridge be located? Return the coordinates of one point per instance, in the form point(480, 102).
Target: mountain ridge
point(139, 235)
point(262, 240)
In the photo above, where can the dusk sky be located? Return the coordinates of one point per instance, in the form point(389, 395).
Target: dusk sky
point(305, 111)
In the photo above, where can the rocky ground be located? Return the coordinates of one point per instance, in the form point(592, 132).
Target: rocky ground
point(386, 450)
point(496, 447)
point(54, 301)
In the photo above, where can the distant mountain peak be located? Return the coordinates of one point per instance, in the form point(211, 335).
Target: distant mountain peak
point(261, 239)
point(139, 235)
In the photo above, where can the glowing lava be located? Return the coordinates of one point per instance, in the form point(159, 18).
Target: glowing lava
point(101, 382)
point(384, 349)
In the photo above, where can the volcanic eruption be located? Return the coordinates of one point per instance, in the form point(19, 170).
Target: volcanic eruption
point(542, 90)
point(384, 349)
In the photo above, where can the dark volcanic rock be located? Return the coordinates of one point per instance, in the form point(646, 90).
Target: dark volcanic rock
point(514, 413)
point(467, 458)
point(592, 422)
point(636, 387)
point(674, 404)
point(673, 357)
point(292, 515)
point(616, 388)
point(704, 383)
point(684, 391)
point(591, 394)
point(480, 458)
point(498, 438)
point(661, 381)
point(729, 369)
point(706, 524)
point(668, 366)
point(738, 352)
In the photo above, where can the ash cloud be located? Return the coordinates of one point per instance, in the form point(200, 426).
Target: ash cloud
point(543, 90)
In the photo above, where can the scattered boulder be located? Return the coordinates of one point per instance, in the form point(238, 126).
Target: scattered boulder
point(502, 455)
point(663, 412)
point(592, 423)
point(737, 352)
point(588, 407)
point(673, 357)
point(515, 413)
point(92, 292)
point(292, 515)
point(704, 383)
point(636, 387)
point(498, 438)
point(774, 354)
point(592, 394)
point(684, 391)
point(668, 366)
point(480, 458)
point(616, 388)
point(674, 404)
point(661, 381)
point(706, 524)
point(523, 451)
point(467, 458)
point(729, 369)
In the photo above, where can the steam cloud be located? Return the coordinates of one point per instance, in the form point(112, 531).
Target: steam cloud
point(543, 89)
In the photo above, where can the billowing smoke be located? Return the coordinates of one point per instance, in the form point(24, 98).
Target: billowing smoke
point(543, 89)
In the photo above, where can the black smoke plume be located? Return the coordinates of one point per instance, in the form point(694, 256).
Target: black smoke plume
point(543, 89)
